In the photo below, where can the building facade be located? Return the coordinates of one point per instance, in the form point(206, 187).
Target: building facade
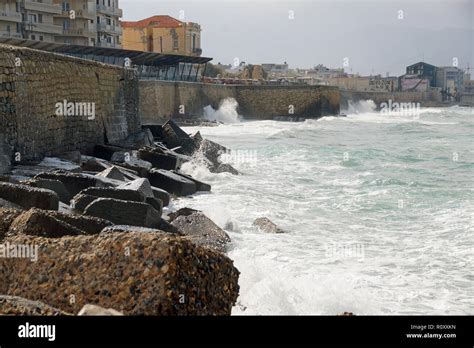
point(78, 22)
point(10, 19)
point(38, 20)
point(163, 34)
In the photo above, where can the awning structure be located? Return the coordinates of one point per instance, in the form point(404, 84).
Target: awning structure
point(137, 57)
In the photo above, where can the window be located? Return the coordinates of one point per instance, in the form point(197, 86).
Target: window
point(41, 38)
point(40, 18)
point(33, 37)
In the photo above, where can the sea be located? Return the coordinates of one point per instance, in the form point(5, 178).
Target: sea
point(378, 210)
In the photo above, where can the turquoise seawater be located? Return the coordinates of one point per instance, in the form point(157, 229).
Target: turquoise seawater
point(378, 209)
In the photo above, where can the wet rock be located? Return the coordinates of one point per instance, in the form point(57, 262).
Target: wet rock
point(28, 197)
point(53, 185)
point(75, 183)
point(155, 203)
point(142, 138)
point(174, 136)
point(158, 160)
point(265, 225)
point(211, 152)
point(7, 216)
point(143, 185)
point(124, 212)
point(171, 182)
point(201, 230)
point(93, 310)
point(347, 314)
point(225, 168)
point(134, 273)
point(200, 186)
point(36, 222)
point(112, 173)
point(18, 306)
point(182, 212)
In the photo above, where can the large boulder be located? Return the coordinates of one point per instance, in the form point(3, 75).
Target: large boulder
point(173, 136)
point(29, 197)
point(134, 273)
point(143, 185)
point(200, 186)
point(200, 229)
point(18, 306)
point(211, 152)
point(53, 185)
point(265, 225)
point(171, 182)
point(7, 216)
point(75, 182)
point(36, 222)
point(112, 173)
point(116, 193)
point(157, 159)
point(124, 212)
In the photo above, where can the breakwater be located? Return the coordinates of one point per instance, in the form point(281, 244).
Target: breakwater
point(162, 100)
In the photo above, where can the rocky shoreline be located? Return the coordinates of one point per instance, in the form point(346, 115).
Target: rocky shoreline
point(86, 233)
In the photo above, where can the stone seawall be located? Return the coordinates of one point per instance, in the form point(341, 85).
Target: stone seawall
point(33, 82)
point(162, 100)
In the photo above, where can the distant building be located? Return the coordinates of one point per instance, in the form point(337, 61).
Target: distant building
point(322, 72)
point(78, 22)
point(109, 31)
point(163, 34)
point(279, 69)
point(10, 19)
point(423, 71)
point(38, 20)
point(449, 79)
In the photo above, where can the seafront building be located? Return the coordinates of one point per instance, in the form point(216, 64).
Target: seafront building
point(163, 34)
point(77, 22)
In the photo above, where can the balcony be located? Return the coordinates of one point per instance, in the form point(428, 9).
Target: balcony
point(81, 14)
point(43, 28)
point(111, 11)
point(10, 34)
point(10, 16)
point(78, 32)
point(102, 27)
point(41, 7)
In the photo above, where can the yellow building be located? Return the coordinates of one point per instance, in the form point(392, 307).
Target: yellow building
point(163, 34)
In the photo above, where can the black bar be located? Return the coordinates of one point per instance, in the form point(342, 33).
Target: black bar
point(350, 330)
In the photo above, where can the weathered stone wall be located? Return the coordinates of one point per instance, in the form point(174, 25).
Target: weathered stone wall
point(33, 82)
point(161, 100)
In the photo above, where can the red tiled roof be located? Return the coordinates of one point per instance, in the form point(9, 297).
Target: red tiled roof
point(155, 21)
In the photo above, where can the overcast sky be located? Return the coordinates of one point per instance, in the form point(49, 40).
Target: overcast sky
point(377, 36)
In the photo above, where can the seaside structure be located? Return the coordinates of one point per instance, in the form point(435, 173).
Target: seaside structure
point(76, 22)
point(163, 34)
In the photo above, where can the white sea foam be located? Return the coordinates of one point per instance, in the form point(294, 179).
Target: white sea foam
point(413, 218)
point(227, 112)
